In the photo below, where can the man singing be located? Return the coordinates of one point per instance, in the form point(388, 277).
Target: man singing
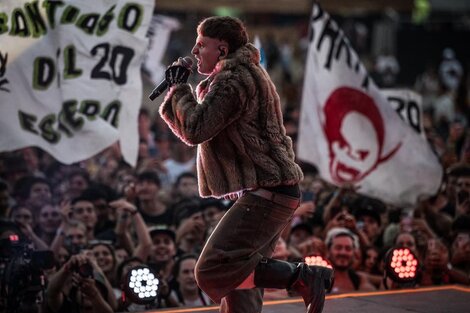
point(244, 154)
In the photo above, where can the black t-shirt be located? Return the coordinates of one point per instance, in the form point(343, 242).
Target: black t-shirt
point(166, 218)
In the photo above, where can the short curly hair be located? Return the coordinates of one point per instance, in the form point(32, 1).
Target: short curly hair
point(230, 29)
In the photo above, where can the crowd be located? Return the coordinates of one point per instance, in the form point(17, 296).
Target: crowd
point(101, 217)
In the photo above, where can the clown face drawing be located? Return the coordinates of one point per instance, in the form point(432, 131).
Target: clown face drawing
point(355, 132)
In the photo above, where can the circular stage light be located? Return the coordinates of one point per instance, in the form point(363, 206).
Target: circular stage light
point(141, 285)
point(316, 260)
point(401, 265)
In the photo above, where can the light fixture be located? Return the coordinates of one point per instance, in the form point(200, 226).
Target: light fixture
point(401, 266)
point(141, 285)
point(317, 260)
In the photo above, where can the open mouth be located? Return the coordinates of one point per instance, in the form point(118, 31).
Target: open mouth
point(345, 173)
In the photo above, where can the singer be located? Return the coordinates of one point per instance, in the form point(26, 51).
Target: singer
point(243, 154)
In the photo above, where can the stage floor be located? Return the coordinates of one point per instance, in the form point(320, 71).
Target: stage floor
point(445, 299)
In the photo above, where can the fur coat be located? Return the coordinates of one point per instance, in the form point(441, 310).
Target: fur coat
point(236, 121)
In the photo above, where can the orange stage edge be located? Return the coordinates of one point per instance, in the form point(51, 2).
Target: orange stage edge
point(438, 299)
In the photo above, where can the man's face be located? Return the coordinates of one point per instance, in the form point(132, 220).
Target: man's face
point(371, 226)
point(358, 152)
point(187, 187)
point(77, 184)
point(207, 53)
point(463, 195)
point(212, 215)
point(76, 236)
point(102, 209)
point(341, 253)
point(40, 194)
point(84, 211)
point(163, 247)
point(463, 183)
point(23, 216)
point(49, 218)
point(146, 190)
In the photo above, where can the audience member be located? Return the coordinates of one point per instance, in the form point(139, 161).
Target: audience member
point(186, 291)
point(341, 244)
point(102, 253)
point(79, 286)
point(164, 251)
point(83, 210)
point(153, 210)
point(48, 221)
point(33, 192)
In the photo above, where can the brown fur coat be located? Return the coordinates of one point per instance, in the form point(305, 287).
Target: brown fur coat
point(236, 121)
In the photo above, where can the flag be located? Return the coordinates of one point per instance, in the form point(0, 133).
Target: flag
point(350, 132)
point(70, 74)
point(409, 106)
point(159, 34)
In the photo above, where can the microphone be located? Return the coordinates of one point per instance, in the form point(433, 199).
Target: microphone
point(186, 62)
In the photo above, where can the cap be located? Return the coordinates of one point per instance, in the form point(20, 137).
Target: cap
point(162, 229)
point(341, 231)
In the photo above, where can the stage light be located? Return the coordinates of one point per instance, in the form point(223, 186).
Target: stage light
point(316, 260)
point(141, 285)
point(401, 266)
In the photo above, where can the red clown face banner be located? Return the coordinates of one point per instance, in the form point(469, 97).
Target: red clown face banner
point(351, 132)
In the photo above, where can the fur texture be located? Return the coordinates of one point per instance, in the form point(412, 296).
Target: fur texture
point(236, 121)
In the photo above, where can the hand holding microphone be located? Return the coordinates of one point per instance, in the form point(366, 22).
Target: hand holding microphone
point(177, 73)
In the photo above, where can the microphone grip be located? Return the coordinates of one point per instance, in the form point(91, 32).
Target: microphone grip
point(186, 62)
point(158, 90)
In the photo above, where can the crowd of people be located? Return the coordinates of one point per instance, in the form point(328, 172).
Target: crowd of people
point(101, 218)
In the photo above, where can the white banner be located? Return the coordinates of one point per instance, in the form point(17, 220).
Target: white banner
point(160, 30)
point(350, 132)
point(70, 75)
point(409, 106)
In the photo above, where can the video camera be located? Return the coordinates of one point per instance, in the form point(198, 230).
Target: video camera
point(22, 277)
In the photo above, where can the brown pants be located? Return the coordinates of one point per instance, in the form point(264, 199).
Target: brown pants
point(247, 233)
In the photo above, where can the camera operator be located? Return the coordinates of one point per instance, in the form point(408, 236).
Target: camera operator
point(23, 218)
point(79, 286)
